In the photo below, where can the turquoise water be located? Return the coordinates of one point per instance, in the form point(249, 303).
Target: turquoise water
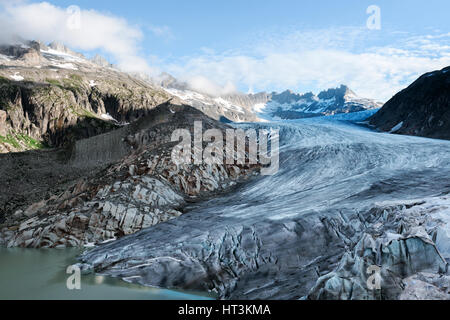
point(30, 274)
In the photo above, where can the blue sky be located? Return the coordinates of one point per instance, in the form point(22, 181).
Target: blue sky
point(226, 24)
point(220, 46)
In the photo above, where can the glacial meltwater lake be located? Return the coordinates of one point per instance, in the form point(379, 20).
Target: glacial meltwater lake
point(29, 274)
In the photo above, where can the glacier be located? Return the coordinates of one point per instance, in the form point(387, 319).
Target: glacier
point(345, 197)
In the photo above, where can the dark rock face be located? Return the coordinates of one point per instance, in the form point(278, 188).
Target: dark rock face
point(422, 109)
point(61, 112)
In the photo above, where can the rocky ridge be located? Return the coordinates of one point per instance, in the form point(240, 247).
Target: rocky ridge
point(422, 109)
point(63, 97)
point(290, 105)
point(143, 188)
point(52, 96)
point(263, 105)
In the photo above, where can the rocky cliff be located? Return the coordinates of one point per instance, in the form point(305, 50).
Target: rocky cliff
point(91, 138)
point(59, 98)
point(127, 181)
point(422, 109)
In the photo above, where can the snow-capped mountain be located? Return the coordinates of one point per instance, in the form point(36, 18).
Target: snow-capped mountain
point(271, 106)
point(290, 105)
point(224, 108)
point(54, 56)
point(237, 107)
point(218, 108)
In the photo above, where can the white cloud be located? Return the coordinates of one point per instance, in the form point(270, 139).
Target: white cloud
point(162, 32)
point(93, 31)
point(321, 59)
point(205, 85)
point(374, 64)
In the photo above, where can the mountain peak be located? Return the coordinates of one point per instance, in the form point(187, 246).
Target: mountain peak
point(421, 109)
point(100, 61)
point(58, 46)
point(347, 91)
point(290, 105)
point(341, 92)
point(61, 47)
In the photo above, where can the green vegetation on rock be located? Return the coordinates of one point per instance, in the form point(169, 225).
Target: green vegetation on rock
point(22, 141)
point(80, 112)
point(53, 82)
point(10, 139)
point(30, 142)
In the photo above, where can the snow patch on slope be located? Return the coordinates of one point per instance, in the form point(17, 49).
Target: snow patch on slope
point(5, 58)
point(17, 77)
point(193, 97)
point(107, 116)
point(397, 127)
point(68, 66)
point(289, 105)
point(50, 53)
